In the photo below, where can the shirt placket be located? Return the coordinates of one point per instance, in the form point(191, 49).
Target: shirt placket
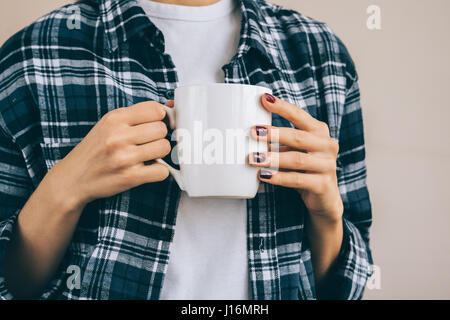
point(264, 274)
point(166, 91)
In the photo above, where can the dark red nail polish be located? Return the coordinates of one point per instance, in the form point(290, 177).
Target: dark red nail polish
point(270, 98)
point(265, 174)
point(261, 131)
point(259, 157)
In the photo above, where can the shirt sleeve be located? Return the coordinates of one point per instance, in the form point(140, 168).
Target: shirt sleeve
point(14, 190)
point(350, 272)
point(16, 186)
point(21, 162)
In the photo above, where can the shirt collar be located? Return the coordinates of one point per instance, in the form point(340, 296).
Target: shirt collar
point(123, 19)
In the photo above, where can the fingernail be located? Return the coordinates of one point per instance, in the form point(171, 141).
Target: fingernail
point(259, 157)
point(265, 174)
point(261, 131)
point(270, 98)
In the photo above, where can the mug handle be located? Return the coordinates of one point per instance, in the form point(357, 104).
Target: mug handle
point(174, 172)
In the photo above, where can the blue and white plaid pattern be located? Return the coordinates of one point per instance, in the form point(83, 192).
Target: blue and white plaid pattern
point(56, 83)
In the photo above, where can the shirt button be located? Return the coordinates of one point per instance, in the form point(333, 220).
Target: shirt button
point(169, 94)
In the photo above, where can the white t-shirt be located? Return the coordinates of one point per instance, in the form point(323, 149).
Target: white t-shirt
point(208, 258)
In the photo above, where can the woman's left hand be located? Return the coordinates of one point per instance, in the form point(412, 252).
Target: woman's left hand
point(306, 158)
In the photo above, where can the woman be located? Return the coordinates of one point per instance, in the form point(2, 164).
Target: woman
point(81, 113)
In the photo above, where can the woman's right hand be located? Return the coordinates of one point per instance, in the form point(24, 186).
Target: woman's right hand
point(110, 159)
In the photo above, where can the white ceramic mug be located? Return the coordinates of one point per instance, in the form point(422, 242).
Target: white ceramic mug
point(212, 128)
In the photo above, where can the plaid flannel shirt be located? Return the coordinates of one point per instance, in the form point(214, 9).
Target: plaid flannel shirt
point(58, 80)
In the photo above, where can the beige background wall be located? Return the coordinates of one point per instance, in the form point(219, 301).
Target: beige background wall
point(405, 82)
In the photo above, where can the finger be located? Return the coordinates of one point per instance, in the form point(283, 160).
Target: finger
point(291, 179)
point(291, 137)
point(147, 132)
point(278, 148)
point(151, 172)
point(292, 160)
point(293, 113)
point(144, 112)
point(170, 103)
point(152, 150)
